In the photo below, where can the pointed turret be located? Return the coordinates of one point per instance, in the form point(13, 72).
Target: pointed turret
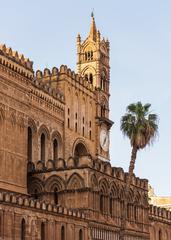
point(93, 29)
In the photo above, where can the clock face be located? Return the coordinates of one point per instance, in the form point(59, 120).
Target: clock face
point(104, 140)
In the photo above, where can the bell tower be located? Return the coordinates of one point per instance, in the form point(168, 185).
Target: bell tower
point(93, 65)
point(93, 58)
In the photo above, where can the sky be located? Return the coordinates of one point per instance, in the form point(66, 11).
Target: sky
point(140, 59)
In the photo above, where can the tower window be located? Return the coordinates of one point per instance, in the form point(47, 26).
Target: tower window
point(23, 229)
point(83, 131)
point(91, 78)
point(91, 55)
point(68, 111)
point(90, 124)
point(86, 56)
point(55, 149)
point(86, 77)
point(83, 120)
point(29, 144)
point(76, 115)
point(42, 143)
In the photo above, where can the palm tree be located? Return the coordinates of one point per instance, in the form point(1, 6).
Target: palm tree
point(140, 126)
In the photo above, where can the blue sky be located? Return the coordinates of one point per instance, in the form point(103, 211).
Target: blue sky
point(140, 40)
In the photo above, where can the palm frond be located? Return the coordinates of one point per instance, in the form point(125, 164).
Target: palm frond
point(140, 126)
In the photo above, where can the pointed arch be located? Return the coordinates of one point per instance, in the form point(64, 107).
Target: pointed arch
point(104, 186)
point(35, 186)
point(75, 182)
point(32, 125)
point(54, 182)
point(45, 130)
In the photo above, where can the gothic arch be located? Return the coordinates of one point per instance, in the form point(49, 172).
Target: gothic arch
point(88, 68)
point(32, 125)
point(104, 186)
point(88, 46)
point(137, 198)
point(114, 192)
point(75, 182)
point(44, 129)
point(54, 182)
point(35, 185)
point(131, 196)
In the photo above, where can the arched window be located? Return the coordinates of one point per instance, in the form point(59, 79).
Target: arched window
point(42, 147)
point(55, 149)
point(29, 144)
point(81, 234)
point(43, 231)
point(56, 196)
point(103, 81)
point(86, 77)
point(62, 233)
point(85, 56)
point(23, 229)
point(91, 55)
point(91, 78)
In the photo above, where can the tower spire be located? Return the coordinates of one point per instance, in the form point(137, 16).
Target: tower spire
point(93, 29)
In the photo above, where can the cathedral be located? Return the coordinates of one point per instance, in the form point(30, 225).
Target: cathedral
point(56, 179)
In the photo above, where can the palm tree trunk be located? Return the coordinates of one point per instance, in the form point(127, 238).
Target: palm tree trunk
point(127, 188)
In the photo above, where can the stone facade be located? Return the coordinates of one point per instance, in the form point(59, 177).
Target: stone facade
point(56, 179)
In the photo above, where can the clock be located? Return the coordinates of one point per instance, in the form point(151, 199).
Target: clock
point(104, 140)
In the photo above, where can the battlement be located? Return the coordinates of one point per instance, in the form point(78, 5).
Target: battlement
point(45, 87)
point(48, 75)
point(25, 201)
point(86, 162)
point(15, 61)
point(159, 213)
